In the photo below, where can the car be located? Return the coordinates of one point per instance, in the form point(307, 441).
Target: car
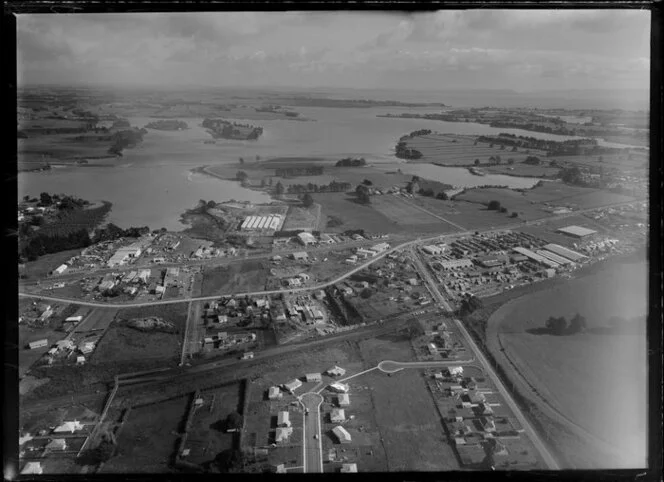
point(315, 436)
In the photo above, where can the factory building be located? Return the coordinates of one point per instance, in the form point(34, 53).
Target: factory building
point(536, 257)
point(553, 257)
point(456, 263)
point(271, 222)
point(576, 231)
point(565, 252)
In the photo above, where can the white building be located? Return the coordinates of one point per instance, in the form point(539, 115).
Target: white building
point(69, 427)
point(339, 387)
point(342, 434)
point(32, 468)
point(283, 419)
point(283, 433)
point(293, 385)
point(336, 371)
point(380, 247)
point(348, 468)
point(60, 269)
point(338, 415)
point(456, 263)
point(38, 344)
point(274, 393)
point(455, 371)
point(313, 377)
point(433, 250)
point(343, 400)
point(74, 319)
point(306, 238)
point(57, 444)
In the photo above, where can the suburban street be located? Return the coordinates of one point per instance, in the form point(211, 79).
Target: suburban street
point(311, 438)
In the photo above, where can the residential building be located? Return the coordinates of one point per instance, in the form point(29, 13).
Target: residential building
point(80, 360)
point(380, 247)
point(283, 433)
point(348, 468)
point(293, 385)
point(57, 444)
point(326, 239)
point(343, 400)
point(274, 393)
point(248, 355)
point(342, 434)
point(300, 255)
point(339, 387)
point(70, 427)
point(455, 371)
point(336, 371)
point(32, 468)
point(313, 377)
point(281, 469)
point(60, 269)
point(38, 344)
point(337, 415)
point(222, 319)
point(283, 419)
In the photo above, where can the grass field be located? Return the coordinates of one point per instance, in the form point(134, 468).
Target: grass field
point(353, 215)
point(237, 277)
point(46, 263)
point(123, 343)
point(466, 214)
point(97, 320)
point(407, 213)
point(576, 376)
point(456, 150)
point(148, 438)
point(302, 218)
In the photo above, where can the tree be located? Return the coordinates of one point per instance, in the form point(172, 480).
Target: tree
point(477, 162)
point(367, 182)
point(234, 421)
point(241, 160)
point(514, 214)
point(515, 149)
point(577, 324)
point(510, 161)
point(229, 461)
point(491, 145)
point(442, 196)
point(45, 199)
point(503, 209)
point(307, 200)
point(494, 205)
point(502, 147)
point(241, 176)
point(279, 189)
point(26, 198)
point(498, 160)
point(263, 183)
point(557, 326)
point(258, 158)
point(532, 160)
point(366, 293)
point(363, 194)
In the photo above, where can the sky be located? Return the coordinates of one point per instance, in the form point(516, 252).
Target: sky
point(522, 50)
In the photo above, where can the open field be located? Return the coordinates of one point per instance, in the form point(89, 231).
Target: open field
point(469, 215)
point(46, 263)
point(457, 150)
point(301, 218)
point(65, 146)
point(237, 277)
point(353, 215)
point(573, 378)
point(405, 213)
point(123, 343)
point(148, 438)
point(97, 320)
point(26, 356)
point(527, 170)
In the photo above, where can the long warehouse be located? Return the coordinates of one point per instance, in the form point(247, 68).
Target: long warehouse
point(553, 257)
point(564, 252)
point(536, 257)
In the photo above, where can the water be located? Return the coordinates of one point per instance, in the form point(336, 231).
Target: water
point(151, 185)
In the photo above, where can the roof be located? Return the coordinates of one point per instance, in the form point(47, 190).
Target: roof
point(339, 413)
point(349, 468)
point(341, 433)
point(344, 399)
point(283, 433)
point(32, 468)
point(307, 237)
point(293, 384)
point(577, 231)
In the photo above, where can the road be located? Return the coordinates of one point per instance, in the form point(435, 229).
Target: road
point(312, 445)
point(426, 276)
point(550, 461)
point(389, 366)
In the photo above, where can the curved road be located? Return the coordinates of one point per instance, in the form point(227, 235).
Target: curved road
point(312, 445)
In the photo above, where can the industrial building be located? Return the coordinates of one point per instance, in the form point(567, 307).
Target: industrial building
point(270, 222)
point(576, 231)
point(342, 434)
point(380, 247)
point(133, 251)
point(313, 377)
point(456, 263)
point(536, 257)
point(565, 252)
point(553, 257)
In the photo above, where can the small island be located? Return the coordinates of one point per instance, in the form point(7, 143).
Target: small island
point(223, 129)
point(167, 125)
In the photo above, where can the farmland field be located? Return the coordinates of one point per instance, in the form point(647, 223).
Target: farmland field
point(97, 320)
point(353, 215)
point(149, 437)
point(123, 343)
point(466, 214)
point(302, 218)
point(575, 376)
point(456, 150)
point(406, 213)
point(47, 263)
point(234, 278)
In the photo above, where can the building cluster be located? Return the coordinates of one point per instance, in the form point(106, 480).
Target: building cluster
point(443, 342)
point(130, 253)
point(364, 253)
point(36, 314)
point(49, 443)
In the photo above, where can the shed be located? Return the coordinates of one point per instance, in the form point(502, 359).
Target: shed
point(338, 415)
point(348, 468)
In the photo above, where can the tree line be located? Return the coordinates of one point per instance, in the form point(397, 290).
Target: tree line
point(334, 186)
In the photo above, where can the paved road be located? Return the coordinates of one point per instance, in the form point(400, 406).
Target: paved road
point(534, 436)
point(389, 366)
point(311, 438)
point(426, 276)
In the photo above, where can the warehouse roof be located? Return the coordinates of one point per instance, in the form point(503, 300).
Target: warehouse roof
point(577, 231)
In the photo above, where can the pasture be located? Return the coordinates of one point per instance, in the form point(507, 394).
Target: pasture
point(469, 215)
point(458, 150)
point(575, 379)
point(409, 213)
point(248, 275)
point(301, 218)
point(353, 214)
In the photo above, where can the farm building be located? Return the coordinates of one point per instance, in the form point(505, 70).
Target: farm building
point(300, 255)
point(313, 377)
point(74, 319)
point(348, 468)
point(274, 393)
point(32, 468)
point(339, 387)
point(342, 434)
point(293, 385)
point(283, 419)
point(576, 231)
point(338, 415)
point(38, 344)
point(57, 444)
point(343, 400)
point(70, 427)
point(336, 371)
point(564, 252)
point(283, 433)
point(306, 238)
point(60, 269)
point(65, 345)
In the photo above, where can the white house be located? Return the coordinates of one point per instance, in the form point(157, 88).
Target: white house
point(70, 427)
point(313, 377)
point(342, 434)
point(339, 387)
point(57, 444)
point(455, 371)
point(283, 433)
point(274, 393)
point(32, 468)
point(338, 415)
point(293, 385)
point(336, 371)
point(343, 400)
point(60, 269)
point(306, 238)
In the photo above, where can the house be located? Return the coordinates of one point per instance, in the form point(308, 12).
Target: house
point(32, 468)
point(274, 393)
point(339, 387)
point(80, 360)
point(293, 385)
point(343, 400)
point(471, 455)
point(412, 281)
point(38, 344)
point(86, 347)
point(53, 351)
point(380, 247)
point(281, 469)
point(484, 409)
point(338, 415)
point(300, 255)
point(57, 444)
point(283, 419)
point(70, 427)
point(342, 434)
point(432, 349)
point(336, 371)
point(455, 371)
point(222, 319)
point(319, 295)
point(488, 424)
point(248, 355)
point(313, 377)
point(348, 468)
point(306, 238)
point(283, 433)
point(60, 269)
point(318, 315)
